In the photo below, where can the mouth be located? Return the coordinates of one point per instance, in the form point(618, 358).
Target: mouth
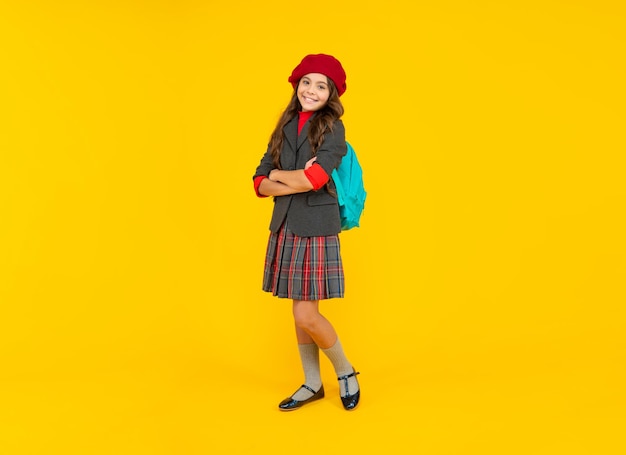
point(309, 100)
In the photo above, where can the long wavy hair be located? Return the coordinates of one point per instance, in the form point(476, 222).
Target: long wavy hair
point(322, 121)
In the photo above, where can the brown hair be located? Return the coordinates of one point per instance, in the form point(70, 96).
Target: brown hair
point(323, 120)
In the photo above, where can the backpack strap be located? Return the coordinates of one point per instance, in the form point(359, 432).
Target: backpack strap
point(338, 186)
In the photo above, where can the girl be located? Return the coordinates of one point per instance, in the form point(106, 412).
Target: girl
point(303, 260)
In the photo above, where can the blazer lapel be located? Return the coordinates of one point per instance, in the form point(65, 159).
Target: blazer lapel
point(303, 136)
point(295, 140)
point(291, 133)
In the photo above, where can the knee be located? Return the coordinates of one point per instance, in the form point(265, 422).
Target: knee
point(305, 320)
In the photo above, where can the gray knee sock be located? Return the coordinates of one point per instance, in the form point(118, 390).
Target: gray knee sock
point(310, 357)
point(342, 367)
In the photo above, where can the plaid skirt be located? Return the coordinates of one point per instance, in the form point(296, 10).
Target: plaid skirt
point(303, 268)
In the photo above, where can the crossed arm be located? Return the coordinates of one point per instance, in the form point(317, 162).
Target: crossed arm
point(282, 183)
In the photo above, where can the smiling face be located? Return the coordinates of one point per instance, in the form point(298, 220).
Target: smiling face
point(313, 91)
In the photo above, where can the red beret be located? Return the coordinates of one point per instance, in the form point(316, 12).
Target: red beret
point(324, 64)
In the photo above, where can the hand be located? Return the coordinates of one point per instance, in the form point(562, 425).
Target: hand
point(310, 163)
point(272, 175)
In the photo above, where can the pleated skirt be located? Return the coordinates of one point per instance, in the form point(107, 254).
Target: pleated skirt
point(303, 268)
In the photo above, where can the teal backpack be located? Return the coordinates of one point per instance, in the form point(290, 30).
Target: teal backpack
point(348, 178)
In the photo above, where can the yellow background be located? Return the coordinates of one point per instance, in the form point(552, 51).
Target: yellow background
point(485, 288)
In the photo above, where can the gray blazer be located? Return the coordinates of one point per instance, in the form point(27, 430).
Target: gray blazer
point(313, 213)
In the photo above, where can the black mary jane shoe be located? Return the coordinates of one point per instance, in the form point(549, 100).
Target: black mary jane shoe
point(289, 404)
point(350, 402)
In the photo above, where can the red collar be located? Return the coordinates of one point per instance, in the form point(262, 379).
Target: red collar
point(303, 117)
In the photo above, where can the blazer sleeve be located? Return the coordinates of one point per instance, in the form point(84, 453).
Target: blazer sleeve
point(333, 148)
point(265, 166)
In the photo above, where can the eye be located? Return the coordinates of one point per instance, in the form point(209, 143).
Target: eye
point(321, 87)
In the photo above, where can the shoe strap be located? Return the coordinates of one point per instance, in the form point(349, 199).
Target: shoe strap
point(304, 386)
point(345, 379)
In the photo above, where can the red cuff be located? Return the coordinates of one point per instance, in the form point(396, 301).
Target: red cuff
point(317, 176)
point(257, 183)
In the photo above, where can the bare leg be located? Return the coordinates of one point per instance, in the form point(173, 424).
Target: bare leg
point(311, 326)
point(312, 330)
point(308, 319)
